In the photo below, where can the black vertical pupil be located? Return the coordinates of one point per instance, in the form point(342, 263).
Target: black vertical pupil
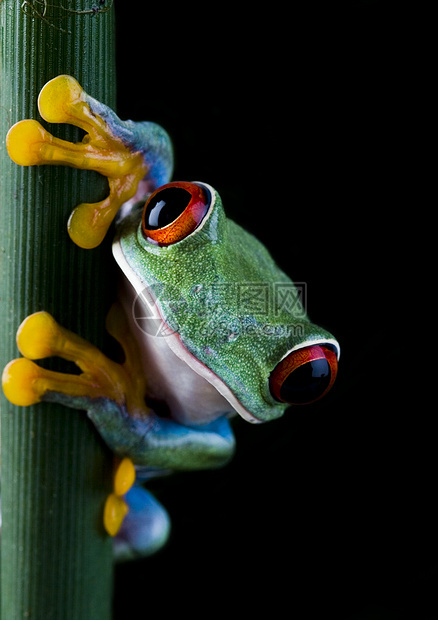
point(165, 207)
point(307, 382)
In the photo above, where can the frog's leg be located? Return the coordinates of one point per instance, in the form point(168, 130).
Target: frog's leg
point(113, 395)
point(26, 383)
point(123, 151)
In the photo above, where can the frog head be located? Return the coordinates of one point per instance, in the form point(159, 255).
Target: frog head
point(224, 307)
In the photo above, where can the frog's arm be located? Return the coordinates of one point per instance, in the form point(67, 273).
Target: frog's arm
point(123, 151)
point(113, 395)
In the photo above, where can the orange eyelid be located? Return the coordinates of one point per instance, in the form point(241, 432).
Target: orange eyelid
point(298, 358)
point(186, 223)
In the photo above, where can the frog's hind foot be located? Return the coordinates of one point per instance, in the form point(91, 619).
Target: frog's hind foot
point(123, 151)
point(145, 528)
point(116, 507)
point(137, 521)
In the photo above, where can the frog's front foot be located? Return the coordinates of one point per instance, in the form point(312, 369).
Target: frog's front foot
point(123, 151)
point(113, 395)
point(40, 336)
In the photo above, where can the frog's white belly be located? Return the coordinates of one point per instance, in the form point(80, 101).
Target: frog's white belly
point(192, 399)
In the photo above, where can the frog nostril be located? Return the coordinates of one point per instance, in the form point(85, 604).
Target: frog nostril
point(304, 375)
point(174, 211)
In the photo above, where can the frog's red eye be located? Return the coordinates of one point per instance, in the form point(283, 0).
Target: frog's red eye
point(174, 211)
point(304, 375)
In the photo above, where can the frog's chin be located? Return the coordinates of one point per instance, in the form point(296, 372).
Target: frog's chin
point(177, 347)
point(200, 396)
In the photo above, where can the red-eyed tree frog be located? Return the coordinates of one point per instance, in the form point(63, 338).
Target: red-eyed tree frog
point(209, 325)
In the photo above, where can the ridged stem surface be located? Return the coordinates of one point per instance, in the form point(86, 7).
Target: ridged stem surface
point(55, 557)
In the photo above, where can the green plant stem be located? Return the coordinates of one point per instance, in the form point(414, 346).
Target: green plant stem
point(56, 560)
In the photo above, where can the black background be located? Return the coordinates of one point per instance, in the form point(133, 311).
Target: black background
point(302, 119)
